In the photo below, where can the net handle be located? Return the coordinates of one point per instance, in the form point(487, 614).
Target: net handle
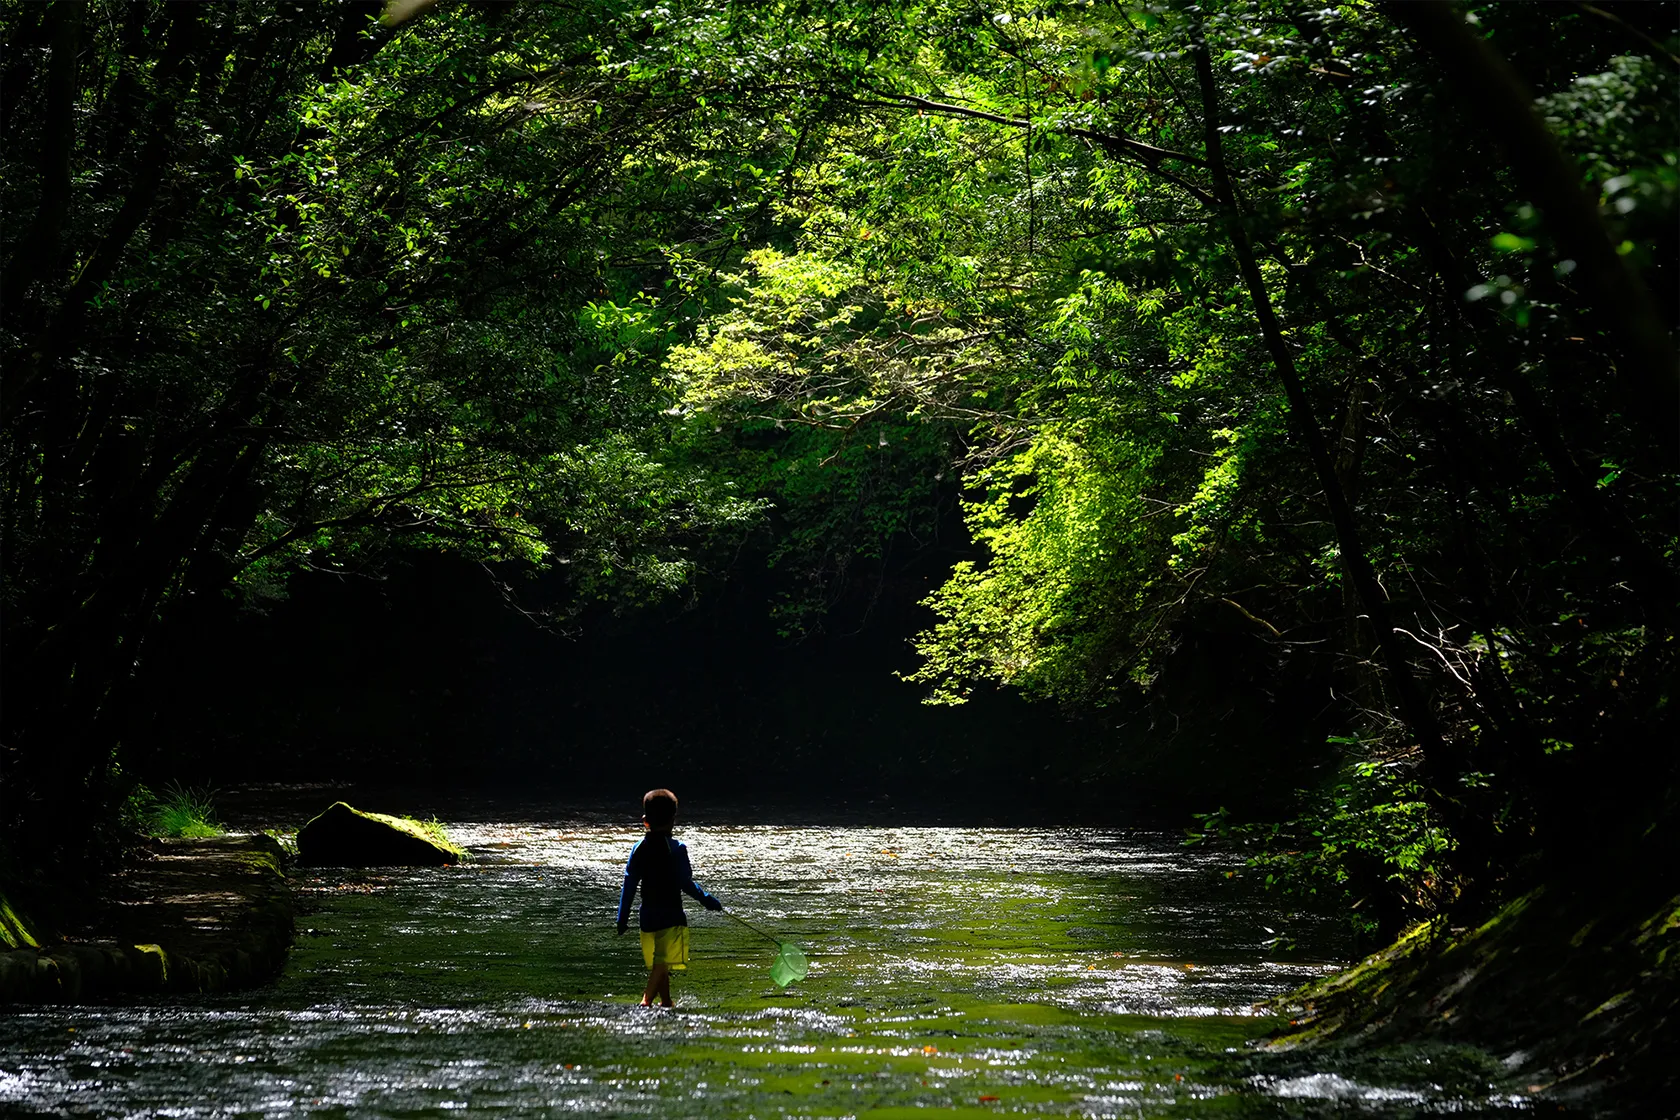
point(749, 925)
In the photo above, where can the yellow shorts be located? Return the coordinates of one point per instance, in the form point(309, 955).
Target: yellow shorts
point(668, 945)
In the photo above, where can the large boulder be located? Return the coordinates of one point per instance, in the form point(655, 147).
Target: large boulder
point(347, 837)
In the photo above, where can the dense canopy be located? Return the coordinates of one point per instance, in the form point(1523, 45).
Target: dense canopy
point(1339, 337)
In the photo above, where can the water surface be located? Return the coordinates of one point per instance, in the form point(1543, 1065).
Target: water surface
point(973, 971)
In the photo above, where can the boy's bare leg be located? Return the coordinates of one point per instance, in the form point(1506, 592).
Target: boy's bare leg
point(659, 984)
point(665, 989)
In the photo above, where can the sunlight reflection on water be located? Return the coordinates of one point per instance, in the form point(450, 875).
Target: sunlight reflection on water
point(1064, 972)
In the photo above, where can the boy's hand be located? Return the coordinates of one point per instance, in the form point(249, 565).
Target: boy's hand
point(622, 926)
point(711, 902)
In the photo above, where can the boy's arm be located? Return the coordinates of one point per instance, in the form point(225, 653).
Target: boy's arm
point(627, 893)
point(685, 880)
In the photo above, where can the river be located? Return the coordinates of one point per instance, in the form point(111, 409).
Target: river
point(977, 971)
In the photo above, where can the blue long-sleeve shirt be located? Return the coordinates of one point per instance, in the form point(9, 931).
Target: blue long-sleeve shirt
point(660, 864)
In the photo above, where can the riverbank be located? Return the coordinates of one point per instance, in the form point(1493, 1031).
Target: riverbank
point(1574, 987)
point(202, 915)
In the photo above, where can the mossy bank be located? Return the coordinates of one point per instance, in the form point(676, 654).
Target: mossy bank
point(1573, 986)
point(199, 915)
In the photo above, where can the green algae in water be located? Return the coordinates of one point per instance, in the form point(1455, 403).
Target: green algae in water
point(1044, 973)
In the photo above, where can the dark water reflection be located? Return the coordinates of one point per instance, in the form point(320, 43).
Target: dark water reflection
point(970, 970)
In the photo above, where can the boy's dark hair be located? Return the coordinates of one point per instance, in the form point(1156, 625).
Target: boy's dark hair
point(659, 809)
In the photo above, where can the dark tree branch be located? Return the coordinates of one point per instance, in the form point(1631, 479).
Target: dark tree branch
point(1659, 52)
point(359, 36)
point(1413, 703)
point(1649, 373)
point(36, 252)
point(1134, 150)
point(137, 206)
point(22, 38)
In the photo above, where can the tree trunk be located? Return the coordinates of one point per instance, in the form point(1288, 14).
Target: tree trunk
point(1649, 375)
point(1611, 530)
point(36, 254)
point(1441, 767)
point(63, 327)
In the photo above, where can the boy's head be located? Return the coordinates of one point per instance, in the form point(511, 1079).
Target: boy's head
point(659, 809)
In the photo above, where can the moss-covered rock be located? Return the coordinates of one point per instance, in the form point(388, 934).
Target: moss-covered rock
point(348, 837)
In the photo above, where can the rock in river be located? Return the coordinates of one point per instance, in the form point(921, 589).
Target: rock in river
point(347, 837)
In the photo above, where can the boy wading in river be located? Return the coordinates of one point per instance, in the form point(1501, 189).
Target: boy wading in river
point(660, 865)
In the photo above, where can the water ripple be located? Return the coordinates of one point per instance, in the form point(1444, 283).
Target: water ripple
point(1050, 971)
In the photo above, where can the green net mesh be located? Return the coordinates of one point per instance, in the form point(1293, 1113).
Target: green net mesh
point(790, 965)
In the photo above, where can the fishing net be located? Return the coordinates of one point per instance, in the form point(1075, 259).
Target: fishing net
point(790, 964)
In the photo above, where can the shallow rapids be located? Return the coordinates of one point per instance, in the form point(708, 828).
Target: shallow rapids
point(975, 971)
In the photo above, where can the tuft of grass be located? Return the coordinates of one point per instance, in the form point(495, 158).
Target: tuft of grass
point(433, 830)
point(183, 812)
point(15, 931)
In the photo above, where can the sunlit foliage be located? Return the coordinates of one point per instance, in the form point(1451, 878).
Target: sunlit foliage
point(1236, 321)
